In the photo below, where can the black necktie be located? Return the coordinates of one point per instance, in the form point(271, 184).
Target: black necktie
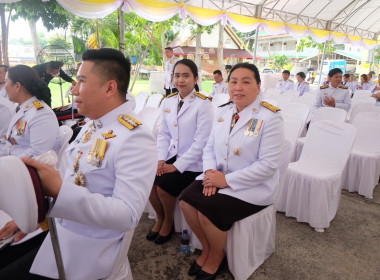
point(235, 119)
point(179, 106)
point(17, 108)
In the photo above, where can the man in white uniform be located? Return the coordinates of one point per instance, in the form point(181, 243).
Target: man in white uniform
point(334, 94)
point(111, 167)
point(285, 84)
point(169, 65)
point(220, 86)
point(3, 72)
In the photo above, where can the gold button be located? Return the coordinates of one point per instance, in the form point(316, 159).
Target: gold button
point(254, 110)
point(226, 143)
point(175, 125)
point(176, 139)
point(225, 158)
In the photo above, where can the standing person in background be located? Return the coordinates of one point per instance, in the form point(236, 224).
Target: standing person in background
point(186, 124)
point(49, 70)
point(3, 72)
point(169, 65)
point(220, 85)
point(301, 85)
point(285, 84)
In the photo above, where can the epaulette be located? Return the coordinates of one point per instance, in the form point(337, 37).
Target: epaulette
point(200, 95)
point(291, 81)
point(214, 83)
point(229, 102)
point(323, 87)
point(226, 82)
point(344, 87)
point(128, 121)
point(37, 105)
point(270, 106)
point(172, 94)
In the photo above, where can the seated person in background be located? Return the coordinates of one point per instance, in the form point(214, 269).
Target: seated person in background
point(377, 85)
point(240, 168)
point(352, 84)
point(7, 109)
point(334, 94)
point(285, 84)
point(3, 72)
point(220, 86)
point(105, 189)
point(301, 85)
point(33, 129)
point(186, 124)
point(365, 84)
point(377, 96)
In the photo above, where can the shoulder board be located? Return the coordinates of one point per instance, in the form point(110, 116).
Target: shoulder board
point(270, 106)
point(200, 95)
point(323, 87)
point(172, 94)
point(128, 121)
point(291, 81)
point(214, 83)
point(344, 87)
point(229, 102)
point(226, 82)
point(37, 105)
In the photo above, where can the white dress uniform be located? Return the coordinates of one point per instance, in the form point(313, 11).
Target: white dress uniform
point(250, 162)
point(341, 95)
point(32, 131)
point(366, 86)
point(302, 87)
point(3, 92)
point(94, 217)
point(7, 109)
point(169, 65)
point(285, 85)
point(218, 88)
point(351, 86)
point(185, 135)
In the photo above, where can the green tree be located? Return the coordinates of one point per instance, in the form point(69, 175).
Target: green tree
point(308, 42)
point(60, 40)
point(281, 61)
point(248, 38)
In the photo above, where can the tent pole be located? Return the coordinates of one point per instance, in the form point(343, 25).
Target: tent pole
point(256, 39)
point(322, 61)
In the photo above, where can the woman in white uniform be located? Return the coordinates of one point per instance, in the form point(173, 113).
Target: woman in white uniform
point(301, 85)
point(185, 128)
point(240, 168)
point(365, 83)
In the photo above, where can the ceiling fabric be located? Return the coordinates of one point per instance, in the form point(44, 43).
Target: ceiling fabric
point(343, 21)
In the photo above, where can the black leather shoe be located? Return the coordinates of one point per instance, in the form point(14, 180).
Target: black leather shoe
point(202, 275)
point(163, 239)
point(151, 235)
point(194, 269)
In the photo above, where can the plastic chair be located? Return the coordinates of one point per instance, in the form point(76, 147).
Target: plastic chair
point(154, 100)
point(362, 107)
point(363, 167)
point(65, 134)
point(140, 99)
point(323, 113)
point(312, 184)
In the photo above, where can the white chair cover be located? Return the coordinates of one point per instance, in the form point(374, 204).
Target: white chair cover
point(362, 107)
point(292, 92)
point(312, 184)
point(272, 92)
point(250, 242)
point(65, 134)
point(140, 99)
point(219, 99)
point(154, 100)
point(323, 113)
point(269, 80)
point(363, 167)
point(151, 118)
point(283, 100)
point(121, 269)
point(299, 109)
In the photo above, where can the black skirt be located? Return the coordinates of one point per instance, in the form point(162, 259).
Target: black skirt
point(175, 182)
point(222, 210)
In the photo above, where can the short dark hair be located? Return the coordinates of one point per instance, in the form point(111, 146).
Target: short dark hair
point(286, 72)
point(55, 64)
point(346, 75)
point(248, 66)
point(110, 64)
point(335, 71)
point(365, 77)
point(217, 72)
point(169, 48)
point(30, 80)
point(193, 67)
point(6, 67)
point(302, 75)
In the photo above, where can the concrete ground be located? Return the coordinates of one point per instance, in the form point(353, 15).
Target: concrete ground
point(349, 249)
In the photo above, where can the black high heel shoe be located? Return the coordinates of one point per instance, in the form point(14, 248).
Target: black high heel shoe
point(151, 235)
point(202, 275)
point(194, 269)
point(163, 239)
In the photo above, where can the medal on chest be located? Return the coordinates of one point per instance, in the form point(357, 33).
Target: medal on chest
point(20, 127)
point(80, 180)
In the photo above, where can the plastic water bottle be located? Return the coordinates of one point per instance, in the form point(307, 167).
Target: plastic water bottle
point(185, 241)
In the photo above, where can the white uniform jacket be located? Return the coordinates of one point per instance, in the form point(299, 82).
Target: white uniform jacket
point(169, 65)
point(351, 86)
point(218, 88)
point(185, 135)
point(249, 162)
point(285, 85)
point(31, 131)
point(94, 218)
point(7, 109)
point(302, 87)
point(3, 92)
point(341, 95)
point(367, 86)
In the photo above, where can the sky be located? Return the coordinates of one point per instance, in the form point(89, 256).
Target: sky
point(20, 29)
